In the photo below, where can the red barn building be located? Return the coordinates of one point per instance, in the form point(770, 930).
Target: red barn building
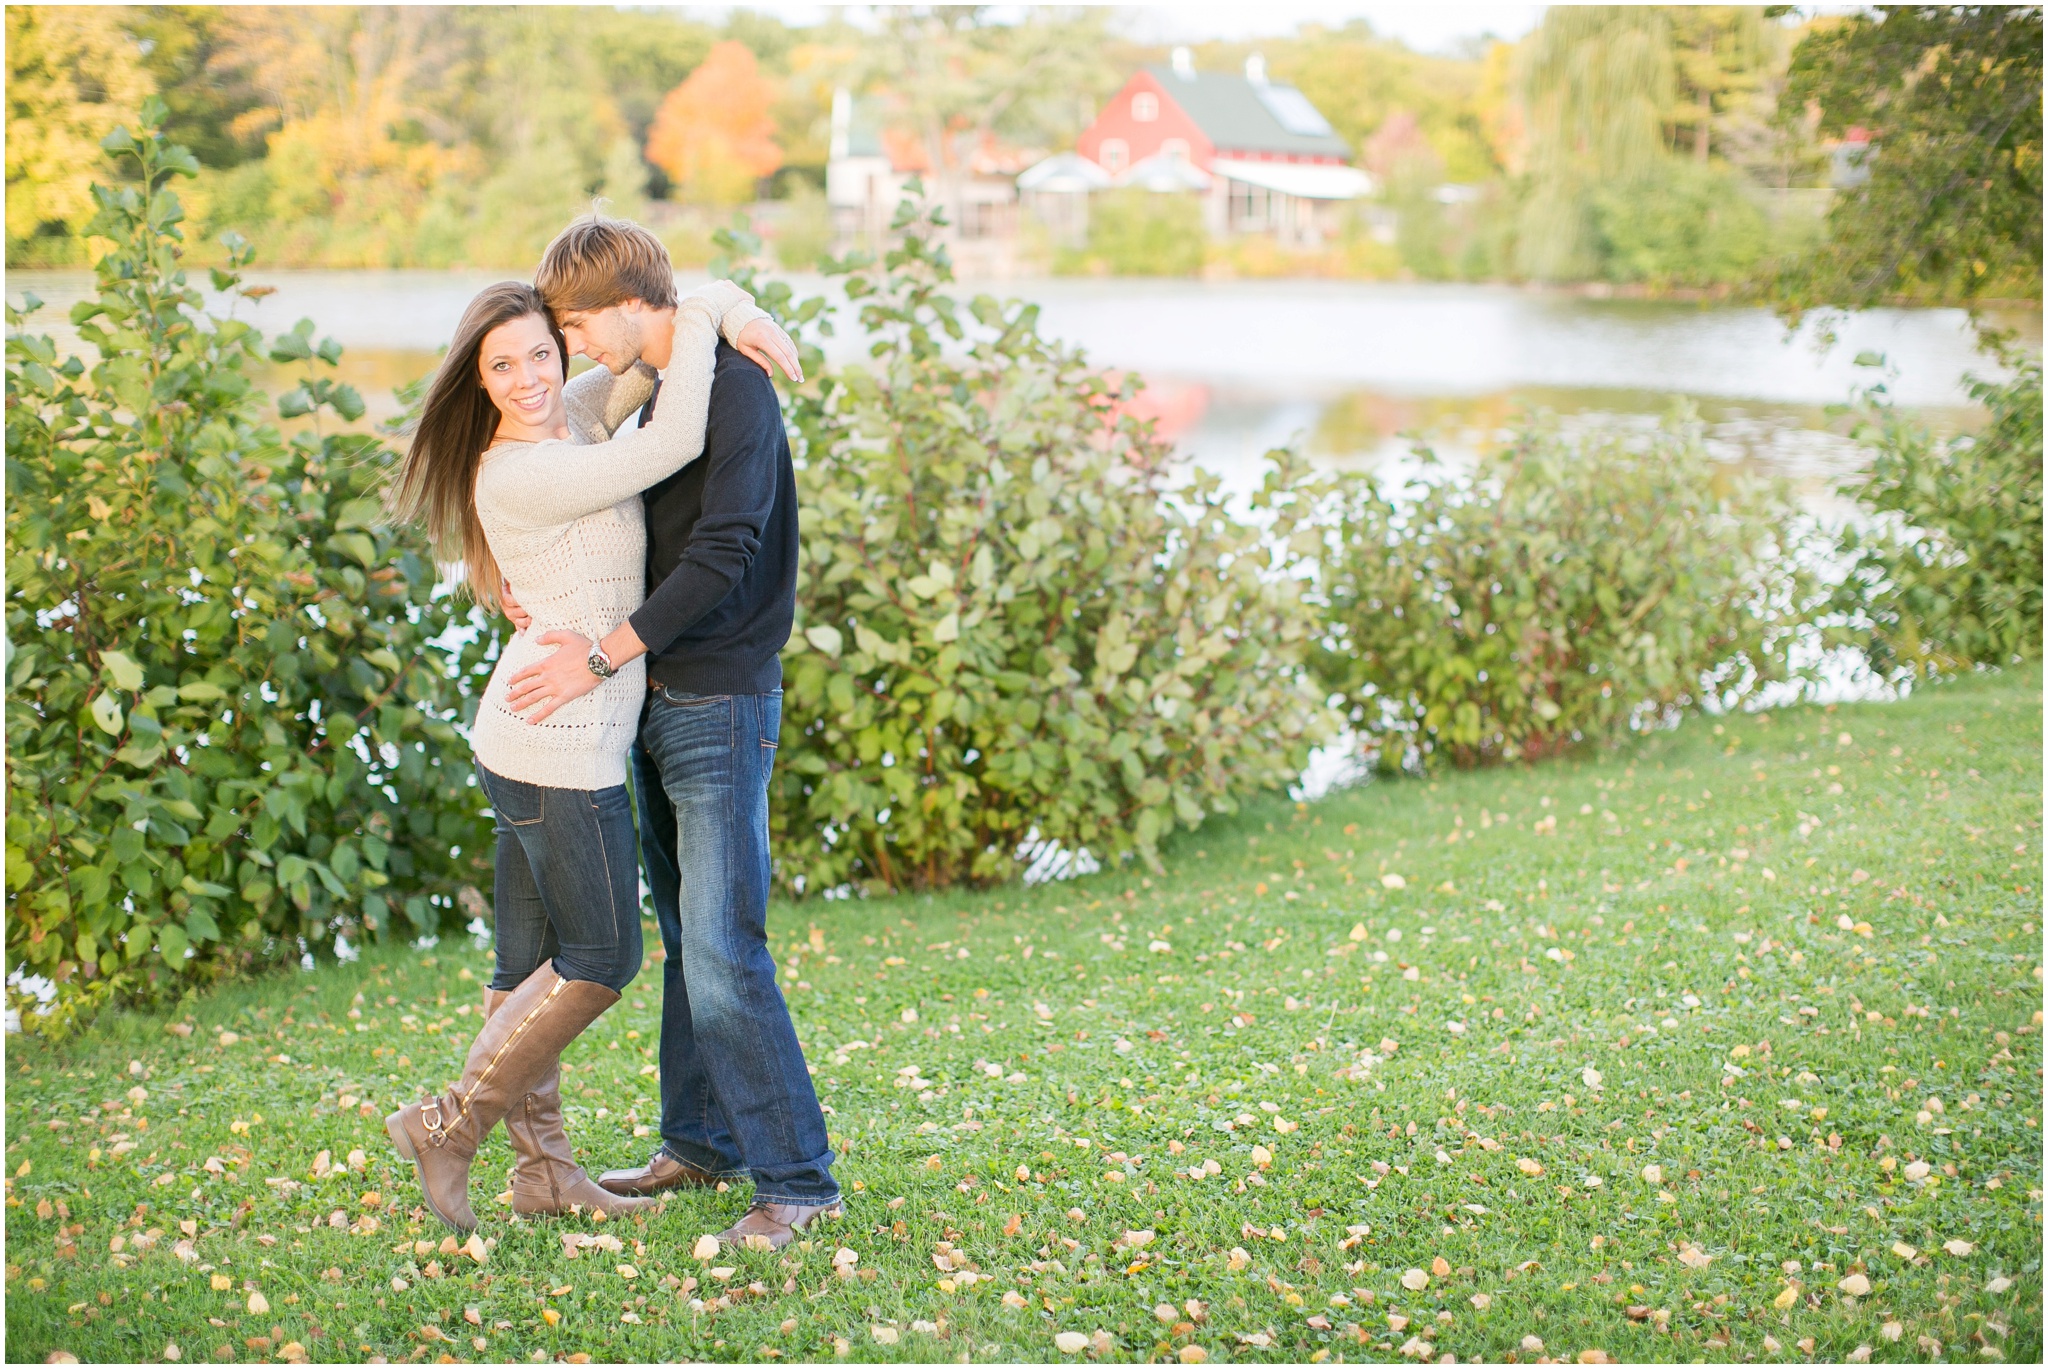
point(1262, 154)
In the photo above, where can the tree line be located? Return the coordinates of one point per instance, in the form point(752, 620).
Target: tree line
point(1653, 146)
point(418, 136)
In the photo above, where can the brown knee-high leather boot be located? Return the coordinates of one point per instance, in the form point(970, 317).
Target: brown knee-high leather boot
point(547, 1179)
point(514, 1051)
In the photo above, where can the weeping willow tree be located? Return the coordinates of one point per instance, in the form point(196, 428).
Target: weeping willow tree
point(1596, 82)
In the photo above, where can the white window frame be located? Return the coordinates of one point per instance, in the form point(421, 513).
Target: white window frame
point(1145, 107)
point(1116, 155)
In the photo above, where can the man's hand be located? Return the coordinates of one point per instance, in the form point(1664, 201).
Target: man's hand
point(521, 619)
point(554, 681)
point(762, 342)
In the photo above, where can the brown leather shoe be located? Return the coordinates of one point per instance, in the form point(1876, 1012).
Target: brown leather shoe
point(661, 1172)
point(547, 1181)
point(517, 1047)
point(771, 1226)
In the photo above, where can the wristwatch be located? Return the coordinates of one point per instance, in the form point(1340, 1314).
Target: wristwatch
point(601, 664)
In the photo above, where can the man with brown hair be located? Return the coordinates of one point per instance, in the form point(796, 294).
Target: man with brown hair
point(736, 1094)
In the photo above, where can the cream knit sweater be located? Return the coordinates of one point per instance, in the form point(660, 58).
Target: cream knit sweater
point(564, 520)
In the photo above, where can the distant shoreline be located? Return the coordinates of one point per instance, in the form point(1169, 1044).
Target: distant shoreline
point(1721, 295)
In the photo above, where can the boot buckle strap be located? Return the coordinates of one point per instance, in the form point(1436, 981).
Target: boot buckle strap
point(430, 1116)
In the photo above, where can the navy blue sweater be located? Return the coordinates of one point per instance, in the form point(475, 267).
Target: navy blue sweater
point(721, 547)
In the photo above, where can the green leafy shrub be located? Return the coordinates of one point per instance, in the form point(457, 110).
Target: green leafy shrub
point(1566, 590)
point(1013, 624)
point(1142, 233)
point(803, 231)
point(1951, 577)
point(228, 734)
point(1682, 224)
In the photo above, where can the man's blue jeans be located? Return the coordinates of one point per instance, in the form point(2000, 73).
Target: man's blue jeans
point(735, 1093)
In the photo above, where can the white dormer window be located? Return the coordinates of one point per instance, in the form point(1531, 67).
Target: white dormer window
point(1145, 107)
point(1116, 155)
point(1176, 148)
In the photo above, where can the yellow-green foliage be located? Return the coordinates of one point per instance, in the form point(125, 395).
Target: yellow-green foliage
point(1950, 575)
point(1141, 233)
point(1564, 591)
point(72, 75)
point(227, 732)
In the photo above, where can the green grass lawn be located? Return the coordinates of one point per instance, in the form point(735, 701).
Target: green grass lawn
point(1726, 1046)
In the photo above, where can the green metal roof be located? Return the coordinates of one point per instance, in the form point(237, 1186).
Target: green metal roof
point(1231, 113)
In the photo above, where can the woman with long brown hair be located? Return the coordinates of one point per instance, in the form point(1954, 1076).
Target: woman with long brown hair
point(515, 477)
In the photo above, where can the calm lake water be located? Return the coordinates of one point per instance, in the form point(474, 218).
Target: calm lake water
point(1355, 372)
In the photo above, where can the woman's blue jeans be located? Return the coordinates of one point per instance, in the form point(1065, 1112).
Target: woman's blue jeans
point(735, 1093)
point(567, 888)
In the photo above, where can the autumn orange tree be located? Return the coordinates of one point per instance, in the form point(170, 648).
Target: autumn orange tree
point(715, 133)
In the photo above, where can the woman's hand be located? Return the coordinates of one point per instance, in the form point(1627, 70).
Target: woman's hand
point(762, 342)
point(555, 681)
point(521, 619)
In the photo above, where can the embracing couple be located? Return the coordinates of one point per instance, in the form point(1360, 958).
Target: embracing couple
point(639, 524)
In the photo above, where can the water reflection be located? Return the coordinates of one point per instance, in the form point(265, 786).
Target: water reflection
point(1226, 428)
point(1353, 371)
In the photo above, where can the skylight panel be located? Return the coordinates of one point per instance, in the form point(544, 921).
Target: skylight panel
point(1294, 112)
